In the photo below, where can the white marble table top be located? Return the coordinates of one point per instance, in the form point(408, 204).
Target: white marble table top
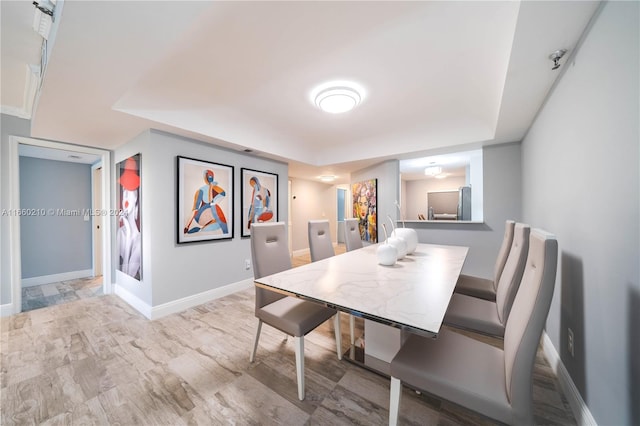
point(413, 294)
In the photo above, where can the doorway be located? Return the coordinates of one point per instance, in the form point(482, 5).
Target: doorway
point(104, 221)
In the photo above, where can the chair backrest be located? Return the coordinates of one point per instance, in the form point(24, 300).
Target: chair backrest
point(507, 240)
point(513, 269)
point(352, 239)
point(269, 255)
point(525, 324)
point(320, 243)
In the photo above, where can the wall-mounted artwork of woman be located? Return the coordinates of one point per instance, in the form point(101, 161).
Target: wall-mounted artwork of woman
point(365, 209)
point(129, 239)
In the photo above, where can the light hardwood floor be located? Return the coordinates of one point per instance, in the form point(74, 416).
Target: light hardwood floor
point(97, 361)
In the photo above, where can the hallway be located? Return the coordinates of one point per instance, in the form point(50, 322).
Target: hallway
point(41, 296)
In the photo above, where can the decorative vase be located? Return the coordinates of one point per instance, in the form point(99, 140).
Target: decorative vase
point(409, 235)
point(397, 241)
point(386, 253)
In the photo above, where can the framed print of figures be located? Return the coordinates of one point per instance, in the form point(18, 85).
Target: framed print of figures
point(205, 201)
point(129, 237)
point(365, 205)
point(259, 198)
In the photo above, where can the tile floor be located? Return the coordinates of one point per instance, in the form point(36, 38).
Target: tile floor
point(44, 295)
point(98, 361)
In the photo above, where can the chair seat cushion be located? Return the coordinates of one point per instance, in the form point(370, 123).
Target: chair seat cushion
point(474, 314)
point(293, 316)
point(457, 368)
point(476, 287)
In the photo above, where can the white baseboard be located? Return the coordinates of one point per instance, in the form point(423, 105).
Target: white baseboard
point(578, 406)
point(198, 299)
point(6, 310)
point(133, 300)
point(300, 252)
point(54, 278)
point(155, 312)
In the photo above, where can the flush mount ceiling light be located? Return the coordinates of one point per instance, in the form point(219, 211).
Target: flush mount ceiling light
point(337, 97)
point(433, 171)
point(327, 178)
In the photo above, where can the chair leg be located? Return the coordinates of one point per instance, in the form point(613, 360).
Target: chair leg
point(352, 329)
point(299, 345)
point(394, 401)
point(336, 327)
point(255, 342)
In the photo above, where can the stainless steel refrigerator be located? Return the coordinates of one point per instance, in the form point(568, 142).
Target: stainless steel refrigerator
point(464, 203)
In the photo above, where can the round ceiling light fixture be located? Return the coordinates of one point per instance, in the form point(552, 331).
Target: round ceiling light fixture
point(433, 171)
point(327, 178)
point(337, 97)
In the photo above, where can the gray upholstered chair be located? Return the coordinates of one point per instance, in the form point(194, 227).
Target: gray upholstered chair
point(352, 239)
point(320, 243)
point(494, 382)
point(293, 316)
point(488, 317)
point(481, 287)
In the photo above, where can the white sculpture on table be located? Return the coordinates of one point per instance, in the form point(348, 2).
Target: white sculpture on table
point(387, 254)
point(409, 235)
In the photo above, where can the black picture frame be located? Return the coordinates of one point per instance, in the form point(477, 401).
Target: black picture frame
point(205, 200)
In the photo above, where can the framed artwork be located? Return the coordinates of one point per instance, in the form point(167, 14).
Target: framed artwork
point(129, 237)
point(259, 198)
point(205, 201)
point(365, 204)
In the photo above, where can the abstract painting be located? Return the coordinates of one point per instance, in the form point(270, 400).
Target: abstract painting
point(259, 198)
point(365, 202)
point(205, 201)
point(129, 237)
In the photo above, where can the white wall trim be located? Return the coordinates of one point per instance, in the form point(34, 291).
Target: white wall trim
point(156, 312)
point(6, 310)
point(578, 406)
point(301, 252)
point(53, 278)
point(133, 300)
point(198, 299)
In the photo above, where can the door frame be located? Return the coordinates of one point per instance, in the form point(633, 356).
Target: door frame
point(96, 204)
point(15, 258)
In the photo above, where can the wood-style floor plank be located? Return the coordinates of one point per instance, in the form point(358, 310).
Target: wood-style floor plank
point(96, 361)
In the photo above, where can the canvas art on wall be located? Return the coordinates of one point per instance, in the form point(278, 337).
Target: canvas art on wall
point(205, 201)
point(259, 198)
point(365, 204)
point(129, 237)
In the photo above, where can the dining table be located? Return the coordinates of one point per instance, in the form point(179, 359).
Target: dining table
point(410, 296)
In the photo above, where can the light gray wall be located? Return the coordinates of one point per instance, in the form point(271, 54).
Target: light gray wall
point(54, 243)
point(502, 201)
point(174, 271)
point(388, 175)
point(581, 182)
point(415, 195)
point(9, 126)
point(314, 201)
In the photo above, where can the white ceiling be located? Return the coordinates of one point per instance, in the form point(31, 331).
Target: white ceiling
point(437, 75)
